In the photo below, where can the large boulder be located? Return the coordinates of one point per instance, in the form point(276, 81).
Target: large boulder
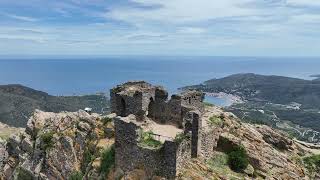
point(277, 139)
point(266, 150)
point(52, 146)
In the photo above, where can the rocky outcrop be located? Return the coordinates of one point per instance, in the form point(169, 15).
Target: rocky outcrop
point(3, 155)
point(53, 146)
point(264, 155)
point(276, 138)
point(271, 154)
point(56, 145)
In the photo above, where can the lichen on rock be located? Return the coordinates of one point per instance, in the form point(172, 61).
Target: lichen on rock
point(52, 147)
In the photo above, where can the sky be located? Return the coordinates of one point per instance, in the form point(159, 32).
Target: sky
point(160, 27)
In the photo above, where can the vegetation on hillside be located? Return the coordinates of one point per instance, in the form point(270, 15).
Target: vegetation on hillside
point(77, 175)
point(107, 160)
point(147, 140)
point(17, 103)
point(181, 137)
point(47, 139)
point(238, 159)
point(216, 121)
point(312, 163)
point(272, 99)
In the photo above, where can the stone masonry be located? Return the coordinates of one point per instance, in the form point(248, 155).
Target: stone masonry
point(141, 107)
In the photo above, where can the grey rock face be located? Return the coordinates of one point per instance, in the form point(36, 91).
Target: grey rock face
point(26, 145)
point(51, 148)
point(3, 155)
point(14, 145)
point(84, 126)
point(275, 138)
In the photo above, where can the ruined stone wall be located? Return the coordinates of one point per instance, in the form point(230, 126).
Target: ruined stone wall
point(147, 97)
point(113, 100)
point(175, 111)
point(125, 101)
point(142, 99)
point(159, 109)
point(160, 112)
point(130, 156)
point(183, 154)
point(193, 99)
point(208, 142)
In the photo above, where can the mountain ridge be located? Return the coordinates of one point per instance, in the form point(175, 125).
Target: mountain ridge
point(17, 103)
point(273, 100)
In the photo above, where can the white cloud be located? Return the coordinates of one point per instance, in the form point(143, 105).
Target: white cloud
point(173, 26)
point(192, 30)
point(182, 11)
point(306, 18)
point(21, 18)
point(304, 2)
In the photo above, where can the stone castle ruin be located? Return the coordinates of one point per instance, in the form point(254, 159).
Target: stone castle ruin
point(144, 113)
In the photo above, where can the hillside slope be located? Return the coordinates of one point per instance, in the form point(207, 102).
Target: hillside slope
point(278, 101)
point(54, 148)
point(18, 102)
point(275, 89)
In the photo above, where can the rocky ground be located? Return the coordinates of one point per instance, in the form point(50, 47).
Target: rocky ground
point(72, 144)
point(57, 146)
point(271, 154)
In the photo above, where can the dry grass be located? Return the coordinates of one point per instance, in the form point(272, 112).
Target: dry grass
point(7, 131)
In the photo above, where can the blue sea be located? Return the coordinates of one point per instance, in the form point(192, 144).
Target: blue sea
point(87, 75)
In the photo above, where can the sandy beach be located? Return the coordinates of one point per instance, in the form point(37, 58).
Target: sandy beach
point(230, 98)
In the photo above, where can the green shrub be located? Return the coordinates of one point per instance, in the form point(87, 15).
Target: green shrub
point(88, 157)
point(107, 160)
point(181, 137)
point(23, 174)
point(312, 163)
point(47, 140)
point(238, 159)
point(106, 120)
point(215, 121)
point(218, 161)
point(77, 175)
point(147, 140)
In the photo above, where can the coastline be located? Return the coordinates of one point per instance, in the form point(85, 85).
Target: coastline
point(229, 98)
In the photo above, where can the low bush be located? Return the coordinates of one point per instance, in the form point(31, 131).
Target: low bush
point(218, 161)
point(312, 163)
point(106, 120)
point(47, 140)
point(147, 139)
point(23, 174)
point(77, 175)
point(88, 156)
point(238, 159)
point(181, 137)
point(215, 121)
point(107, 160)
